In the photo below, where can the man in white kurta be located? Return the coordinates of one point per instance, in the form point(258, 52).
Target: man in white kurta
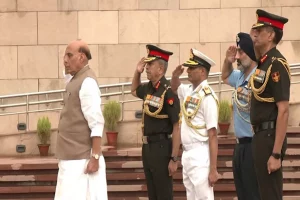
point(198, 128)
point(82, 171)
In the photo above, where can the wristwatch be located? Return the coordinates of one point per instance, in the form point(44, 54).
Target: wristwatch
point(174, 158)
point(96, 156)
point(276, 155)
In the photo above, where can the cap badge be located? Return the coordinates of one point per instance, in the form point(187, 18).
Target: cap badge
point(191, 54)
point(237, 38)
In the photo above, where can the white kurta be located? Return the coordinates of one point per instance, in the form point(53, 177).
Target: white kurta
point(195, 157)
point(72, 183)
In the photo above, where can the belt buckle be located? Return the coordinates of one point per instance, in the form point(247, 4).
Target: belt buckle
point(145, 139)
point(237, 140)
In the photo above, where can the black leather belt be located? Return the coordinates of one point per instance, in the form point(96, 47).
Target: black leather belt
point(244, 140)
point(155, 138)
point(264, 126)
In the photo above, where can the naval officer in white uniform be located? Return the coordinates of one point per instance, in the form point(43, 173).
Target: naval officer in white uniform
point(199, 127)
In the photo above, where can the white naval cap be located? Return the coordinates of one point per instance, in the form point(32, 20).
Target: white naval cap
point(197, 59)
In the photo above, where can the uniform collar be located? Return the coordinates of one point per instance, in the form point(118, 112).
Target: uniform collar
point(246, 79)
point(267, 55)
point(161, 82)
point(200, 86)
point(249, 75)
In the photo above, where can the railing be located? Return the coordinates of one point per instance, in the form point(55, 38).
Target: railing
point(27, 103)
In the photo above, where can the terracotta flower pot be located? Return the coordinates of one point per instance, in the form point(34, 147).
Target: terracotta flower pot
point(44, 149)
point(224, 127)
point(112, 138)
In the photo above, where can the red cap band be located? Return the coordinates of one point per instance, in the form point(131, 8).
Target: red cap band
point(157, 53)
point(273, 22)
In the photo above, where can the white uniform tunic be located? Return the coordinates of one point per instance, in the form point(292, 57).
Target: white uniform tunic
point(195, 157)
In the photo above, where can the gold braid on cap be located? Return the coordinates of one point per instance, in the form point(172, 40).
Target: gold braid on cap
point(261, 89)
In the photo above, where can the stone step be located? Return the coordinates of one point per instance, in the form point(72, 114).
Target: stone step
point(126, 158)
point(217, 197)
point(136, 152)
point(219, 187)
point(50, 163)
point(35, 177)
point(121, 176)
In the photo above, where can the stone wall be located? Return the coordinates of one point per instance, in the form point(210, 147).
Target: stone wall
point(34, 34)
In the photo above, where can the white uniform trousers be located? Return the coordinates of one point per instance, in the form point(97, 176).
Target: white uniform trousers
point(195, 171)
point(73, 184)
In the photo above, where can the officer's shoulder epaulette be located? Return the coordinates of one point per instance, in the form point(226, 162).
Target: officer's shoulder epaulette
point(274, 59)
point(279, 60)
point(207, 90)
point(167, 86)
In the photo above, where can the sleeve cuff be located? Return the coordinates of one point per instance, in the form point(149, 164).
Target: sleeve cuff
point(97, 131)
point(212, 125)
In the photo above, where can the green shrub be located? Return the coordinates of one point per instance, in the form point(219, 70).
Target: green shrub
point(225, 111)
point(111, 114)
point(44, 129)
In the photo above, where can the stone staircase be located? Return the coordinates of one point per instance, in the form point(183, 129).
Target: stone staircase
point(33, 178)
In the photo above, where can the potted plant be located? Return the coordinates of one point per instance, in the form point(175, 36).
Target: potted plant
point(225, 111)
point(44, 133)
point(111, 114)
